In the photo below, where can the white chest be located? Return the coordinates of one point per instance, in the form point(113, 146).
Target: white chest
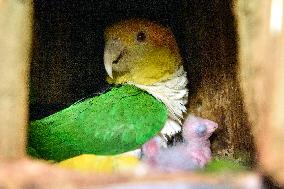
point(173, 93)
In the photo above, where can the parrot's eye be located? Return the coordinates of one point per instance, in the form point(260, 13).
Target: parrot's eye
point(141, 36)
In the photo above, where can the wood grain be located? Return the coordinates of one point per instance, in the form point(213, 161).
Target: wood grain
point(29, 174)
point(15, 35)
point(261, 74)
point(213, 77)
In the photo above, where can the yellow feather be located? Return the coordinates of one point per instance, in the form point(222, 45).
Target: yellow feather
point(155, 65)
point(101, 164)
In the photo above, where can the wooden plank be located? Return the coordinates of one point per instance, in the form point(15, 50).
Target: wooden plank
point(262, 78)
point(15, 37)
point(28, 174)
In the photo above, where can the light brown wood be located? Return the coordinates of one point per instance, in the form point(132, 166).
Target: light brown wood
point(15, 37)
point(262, 78)
point(28, 174)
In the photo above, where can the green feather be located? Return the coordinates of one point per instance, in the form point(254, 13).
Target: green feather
point(224, 165)
point(118, 121)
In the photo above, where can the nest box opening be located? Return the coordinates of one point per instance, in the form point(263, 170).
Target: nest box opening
point(67, 65)
point(67, 59)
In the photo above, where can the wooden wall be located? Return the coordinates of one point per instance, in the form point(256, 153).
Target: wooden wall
point(213, 74)
point(15, 39)
point(262, 77)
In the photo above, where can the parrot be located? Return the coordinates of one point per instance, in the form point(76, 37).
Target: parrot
point(145, 54)
point(193, 153)
point(148, 98)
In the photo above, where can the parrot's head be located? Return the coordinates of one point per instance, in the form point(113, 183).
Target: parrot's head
point(141, 52)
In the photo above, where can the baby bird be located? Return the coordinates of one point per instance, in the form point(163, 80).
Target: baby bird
point(193, 153)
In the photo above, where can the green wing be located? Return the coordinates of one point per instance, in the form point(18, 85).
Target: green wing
point(120, 120)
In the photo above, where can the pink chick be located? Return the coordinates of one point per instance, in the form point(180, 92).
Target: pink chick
point(191, 154)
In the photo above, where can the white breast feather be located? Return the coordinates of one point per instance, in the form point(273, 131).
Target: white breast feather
point(173, 93)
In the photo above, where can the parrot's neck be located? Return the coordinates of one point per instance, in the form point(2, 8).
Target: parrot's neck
point(173, 93)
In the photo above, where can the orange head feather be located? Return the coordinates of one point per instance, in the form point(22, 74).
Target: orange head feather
point(156, 34)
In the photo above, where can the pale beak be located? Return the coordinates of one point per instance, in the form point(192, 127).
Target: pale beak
point(112, 53)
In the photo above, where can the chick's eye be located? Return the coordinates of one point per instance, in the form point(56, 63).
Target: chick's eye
point(201, 130)
point(141, 36)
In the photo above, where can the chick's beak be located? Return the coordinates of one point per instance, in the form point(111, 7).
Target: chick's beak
point(112, 54)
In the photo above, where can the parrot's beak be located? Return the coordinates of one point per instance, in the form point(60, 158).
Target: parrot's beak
point(112, 54)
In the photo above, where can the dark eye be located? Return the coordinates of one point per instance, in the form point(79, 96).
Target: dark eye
point(201, 130)
point(141, 36)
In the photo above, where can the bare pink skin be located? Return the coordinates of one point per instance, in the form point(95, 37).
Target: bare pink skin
point(193, 153)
